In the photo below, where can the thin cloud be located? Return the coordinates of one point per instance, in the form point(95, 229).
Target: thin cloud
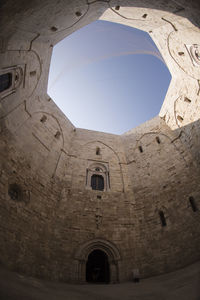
point(101, 44)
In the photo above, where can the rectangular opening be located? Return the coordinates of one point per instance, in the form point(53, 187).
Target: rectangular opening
point(5, 81)
point(193, 204)
point(162, 218)
point(140, 148)
point(97, 151)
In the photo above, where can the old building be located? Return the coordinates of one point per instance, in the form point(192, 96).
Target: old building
point(72, 197)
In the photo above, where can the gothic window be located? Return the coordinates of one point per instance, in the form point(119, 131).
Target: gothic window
point(5, 81)
point(97, 182)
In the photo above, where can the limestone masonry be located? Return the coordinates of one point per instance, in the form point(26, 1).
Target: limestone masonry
point(69, 194)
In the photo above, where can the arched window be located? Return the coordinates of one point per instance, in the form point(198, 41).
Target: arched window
point(97, 182)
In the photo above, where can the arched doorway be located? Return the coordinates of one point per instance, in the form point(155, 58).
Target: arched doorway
point(97, 267)
point(98, 256)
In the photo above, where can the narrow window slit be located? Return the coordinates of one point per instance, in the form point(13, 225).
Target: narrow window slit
point(193, 204)
point(97, 151)
point(187, 100)
point(162, 218)
point(158, 140)
point(140, 148)
point(57, 135)
point(180, 118)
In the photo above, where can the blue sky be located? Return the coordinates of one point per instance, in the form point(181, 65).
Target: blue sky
point(108, 77)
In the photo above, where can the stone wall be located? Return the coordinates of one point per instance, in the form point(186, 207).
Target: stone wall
point(50, 218)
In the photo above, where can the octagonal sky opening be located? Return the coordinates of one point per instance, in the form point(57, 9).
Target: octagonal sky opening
point(108, 77)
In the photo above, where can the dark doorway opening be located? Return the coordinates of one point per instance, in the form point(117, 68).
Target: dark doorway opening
point(97, 267)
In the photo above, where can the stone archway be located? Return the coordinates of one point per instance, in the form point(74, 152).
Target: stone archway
point(102, 246)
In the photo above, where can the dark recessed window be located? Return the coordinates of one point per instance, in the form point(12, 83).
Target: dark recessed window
point(5, 81)
point(193, 204)
point(187, 100)
point(57, 135)
point(97, 151)
point(140, 148)
point(180, 118)
point(158, 140)
point(97, 182)
point(15, 192)
point(43, 119)
point(162, 218)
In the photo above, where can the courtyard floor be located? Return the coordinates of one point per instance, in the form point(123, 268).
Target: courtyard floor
point(180, 285)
